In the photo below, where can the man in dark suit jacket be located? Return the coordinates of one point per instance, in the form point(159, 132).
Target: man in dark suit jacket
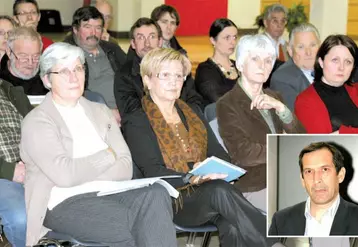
point(325, 212)
point(296, 74)
point(145, 35)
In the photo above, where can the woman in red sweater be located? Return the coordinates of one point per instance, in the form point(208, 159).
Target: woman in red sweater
point(330, 104)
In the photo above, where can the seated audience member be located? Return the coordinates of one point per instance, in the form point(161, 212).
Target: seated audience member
point(248, 112)
point(20, 65)
point(103, 59)
point(167, 17)
point(296, 74)
point(27, 13)
point(14, 105)
point(82, 146)
point(324, 213)
point(275, 20)
point(145, 35)
point(330, 104)
point(106, 10)
point(7, 25)
point(175, 137)
point(218, 74)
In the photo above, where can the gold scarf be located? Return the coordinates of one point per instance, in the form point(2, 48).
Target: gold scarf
point(170, 146)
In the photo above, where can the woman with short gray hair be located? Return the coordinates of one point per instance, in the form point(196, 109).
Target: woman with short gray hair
point(70, 145)
point(248, 112)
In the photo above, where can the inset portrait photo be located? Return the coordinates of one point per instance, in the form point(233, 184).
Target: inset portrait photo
point(312, 185)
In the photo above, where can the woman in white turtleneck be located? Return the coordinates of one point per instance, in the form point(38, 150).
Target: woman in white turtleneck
point(70, 146)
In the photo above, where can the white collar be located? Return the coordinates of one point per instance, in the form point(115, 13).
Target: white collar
point(331, 211)
point(280, 41)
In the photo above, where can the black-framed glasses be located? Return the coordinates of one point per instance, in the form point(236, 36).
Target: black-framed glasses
point(67, 72)
point(23, 59)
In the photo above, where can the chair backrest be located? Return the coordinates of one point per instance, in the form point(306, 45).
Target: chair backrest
point(94, 97)
point(215, 127)
point(210, 112)
point(50, 21)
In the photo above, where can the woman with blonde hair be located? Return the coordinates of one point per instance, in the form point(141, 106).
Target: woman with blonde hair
point(168, 137)
point(70, 145)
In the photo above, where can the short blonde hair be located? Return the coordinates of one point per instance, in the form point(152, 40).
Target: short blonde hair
point(154, 59)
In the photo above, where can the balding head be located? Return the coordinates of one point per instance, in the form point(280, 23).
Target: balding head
point(106, 10)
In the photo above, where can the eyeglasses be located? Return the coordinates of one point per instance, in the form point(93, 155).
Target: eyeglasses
point(66, 73)
point(277, 22)
point(26, 58)
point(8, 33)
point(24, 13)
point(167, 76)
point(150, 37)
point(108, 17)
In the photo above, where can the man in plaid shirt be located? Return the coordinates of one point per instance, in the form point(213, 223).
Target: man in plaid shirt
point(14, 105)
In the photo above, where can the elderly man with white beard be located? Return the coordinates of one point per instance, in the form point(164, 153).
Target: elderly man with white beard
point(20, 65)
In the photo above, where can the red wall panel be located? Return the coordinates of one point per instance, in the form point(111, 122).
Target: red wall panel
point(196, 16)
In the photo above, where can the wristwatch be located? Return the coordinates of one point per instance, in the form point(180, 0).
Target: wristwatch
point(187, 177)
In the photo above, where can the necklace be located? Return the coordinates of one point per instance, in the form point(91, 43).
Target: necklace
point(230, 74)
point(184, 143)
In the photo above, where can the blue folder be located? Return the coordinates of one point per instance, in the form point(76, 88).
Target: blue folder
point(216, 165)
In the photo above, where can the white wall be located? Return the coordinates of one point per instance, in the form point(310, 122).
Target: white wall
point(290, 190)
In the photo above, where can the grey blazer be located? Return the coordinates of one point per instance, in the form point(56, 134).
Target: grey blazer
point(289, 81)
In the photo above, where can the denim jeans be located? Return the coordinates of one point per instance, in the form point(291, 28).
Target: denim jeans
point(13, 212)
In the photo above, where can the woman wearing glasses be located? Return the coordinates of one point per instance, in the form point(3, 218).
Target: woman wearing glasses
point(7, 25)
point(167, 137)
point(69, 145)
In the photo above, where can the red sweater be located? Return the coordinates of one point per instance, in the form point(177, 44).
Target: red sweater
point(313, 113)
point(46, 42)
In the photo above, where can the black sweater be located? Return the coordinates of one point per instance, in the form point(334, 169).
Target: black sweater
point(33, 86)
point(145, 150)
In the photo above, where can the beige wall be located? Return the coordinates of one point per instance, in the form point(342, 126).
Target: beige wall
point(243, 12)
point(329, 17)
point(128, 11)
point(67, 8)
point(272, 177)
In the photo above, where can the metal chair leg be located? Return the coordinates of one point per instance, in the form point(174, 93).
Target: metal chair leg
point(206, 239)
point(191, 240)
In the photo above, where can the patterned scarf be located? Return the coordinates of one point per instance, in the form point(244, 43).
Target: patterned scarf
point(170, 147)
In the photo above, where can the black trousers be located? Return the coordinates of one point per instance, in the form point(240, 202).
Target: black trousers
point(239, 223)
